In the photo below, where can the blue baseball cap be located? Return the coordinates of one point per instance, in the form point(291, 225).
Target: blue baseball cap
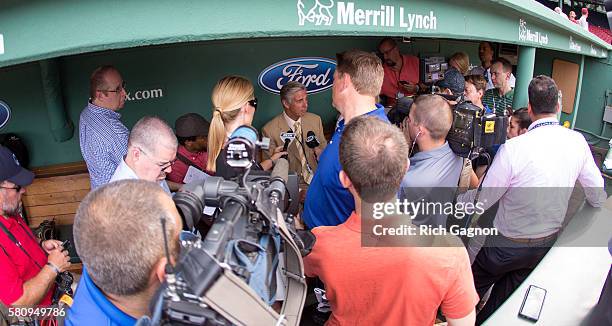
point(10, 169)
point(454, 81)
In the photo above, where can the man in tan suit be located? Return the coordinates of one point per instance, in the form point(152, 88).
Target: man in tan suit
point(302, 159)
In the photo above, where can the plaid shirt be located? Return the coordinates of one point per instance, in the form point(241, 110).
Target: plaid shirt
point(103, 140)
point(497, 102)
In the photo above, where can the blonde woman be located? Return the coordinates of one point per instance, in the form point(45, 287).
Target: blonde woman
point(460, 61)
point(234, 105)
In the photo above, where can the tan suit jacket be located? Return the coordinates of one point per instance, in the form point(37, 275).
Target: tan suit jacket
point(278, 125)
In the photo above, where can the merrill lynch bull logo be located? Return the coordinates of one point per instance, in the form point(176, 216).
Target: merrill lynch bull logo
point(319, 14)
point(315, 73)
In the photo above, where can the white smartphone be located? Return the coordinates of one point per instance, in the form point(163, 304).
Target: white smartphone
point(532, 303)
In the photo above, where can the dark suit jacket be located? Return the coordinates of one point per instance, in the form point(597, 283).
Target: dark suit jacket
point(278, 125)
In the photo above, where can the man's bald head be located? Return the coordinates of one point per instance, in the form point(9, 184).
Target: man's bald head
point(151, 132)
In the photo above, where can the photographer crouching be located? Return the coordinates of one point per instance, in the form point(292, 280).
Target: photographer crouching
point(118, 234)
point(28, 268)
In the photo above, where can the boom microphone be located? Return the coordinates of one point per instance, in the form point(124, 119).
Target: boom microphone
point(278, 182)
point(311, 140)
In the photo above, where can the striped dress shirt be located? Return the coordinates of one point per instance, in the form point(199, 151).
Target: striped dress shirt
point(103, 140)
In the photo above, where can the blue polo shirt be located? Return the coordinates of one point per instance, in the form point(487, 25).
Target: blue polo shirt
point(91, 307)
point(327, 201)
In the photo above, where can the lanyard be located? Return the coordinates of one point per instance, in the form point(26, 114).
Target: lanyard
point(545, 123)
point(302, 145)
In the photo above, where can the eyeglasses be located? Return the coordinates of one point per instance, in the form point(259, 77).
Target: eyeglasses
point(16, 188)
point(162, 165)
point(117, 90)
point(253, 103)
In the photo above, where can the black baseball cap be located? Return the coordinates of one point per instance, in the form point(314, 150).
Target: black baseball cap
point(191, 125)
point(10, 169)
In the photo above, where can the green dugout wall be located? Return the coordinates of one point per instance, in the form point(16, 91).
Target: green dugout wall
point(172, 52)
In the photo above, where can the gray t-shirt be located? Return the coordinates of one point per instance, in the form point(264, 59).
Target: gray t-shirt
point(433, 177)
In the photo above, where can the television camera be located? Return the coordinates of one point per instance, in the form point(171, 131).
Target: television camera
point(230, 276)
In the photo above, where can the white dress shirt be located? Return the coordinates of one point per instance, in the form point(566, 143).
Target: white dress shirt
point(124, 172)
point(291, 122)
point(533, 176)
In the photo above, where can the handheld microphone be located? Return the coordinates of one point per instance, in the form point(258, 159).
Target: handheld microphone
point(311, 140)
point(287, 137)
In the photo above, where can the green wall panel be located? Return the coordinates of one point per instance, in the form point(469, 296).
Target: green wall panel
point(544, 66)
point(21, 88)
point(597, 79)
point(185, 73)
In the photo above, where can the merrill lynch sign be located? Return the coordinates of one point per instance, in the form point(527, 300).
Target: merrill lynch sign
point(326, 13)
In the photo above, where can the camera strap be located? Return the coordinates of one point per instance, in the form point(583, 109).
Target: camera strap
point(237, 302)
point(18, 243)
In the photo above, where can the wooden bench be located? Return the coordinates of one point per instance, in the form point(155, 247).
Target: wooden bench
point(56, 193)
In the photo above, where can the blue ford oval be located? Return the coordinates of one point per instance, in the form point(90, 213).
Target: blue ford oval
point(316, 73)
point(5, 114)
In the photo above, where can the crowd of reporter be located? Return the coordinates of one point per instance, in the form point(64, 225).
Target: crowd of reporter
point(367, 160)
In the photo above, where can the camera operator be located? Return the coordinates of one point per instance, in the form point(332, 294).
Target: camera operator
point(532, 177)
point(27, 269)
point(452, 86)
point(151, 152)
point(118, 235)
point(376, 285)
point(435, 165)
point(357, 81)
point(234, 105)
point(475, 86)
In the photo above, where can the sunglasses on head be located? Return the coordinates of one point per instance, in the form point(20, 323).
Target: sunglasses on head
point(253, 103)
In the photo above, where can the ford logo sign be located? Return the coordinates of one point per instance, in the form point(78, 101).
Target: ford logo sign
point(317, 74)
point(5, 114)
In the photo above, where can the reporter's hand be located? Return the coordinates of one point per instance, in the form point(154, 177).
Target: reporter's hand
point(278, 153)
point(59, 258)
point(409, 89)
point(49, 245)
point(318, 151)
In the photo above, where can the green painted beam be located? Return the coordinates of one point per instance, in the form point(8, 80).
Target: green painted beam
point(578, 92)
point(524, 71)
point(60, 125)
point(36, 30)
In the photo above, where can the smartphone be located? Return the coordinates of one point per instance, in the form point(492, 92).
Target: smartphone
point(532, 303)
point(66, 245)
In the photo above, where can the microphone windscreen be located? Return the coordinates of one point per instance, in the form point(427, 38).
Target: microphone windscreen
point(311, 139)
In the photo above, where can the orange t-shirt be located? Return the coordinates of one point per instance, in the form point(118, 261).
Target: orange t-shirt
point(409, 73)
point(389, 286)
